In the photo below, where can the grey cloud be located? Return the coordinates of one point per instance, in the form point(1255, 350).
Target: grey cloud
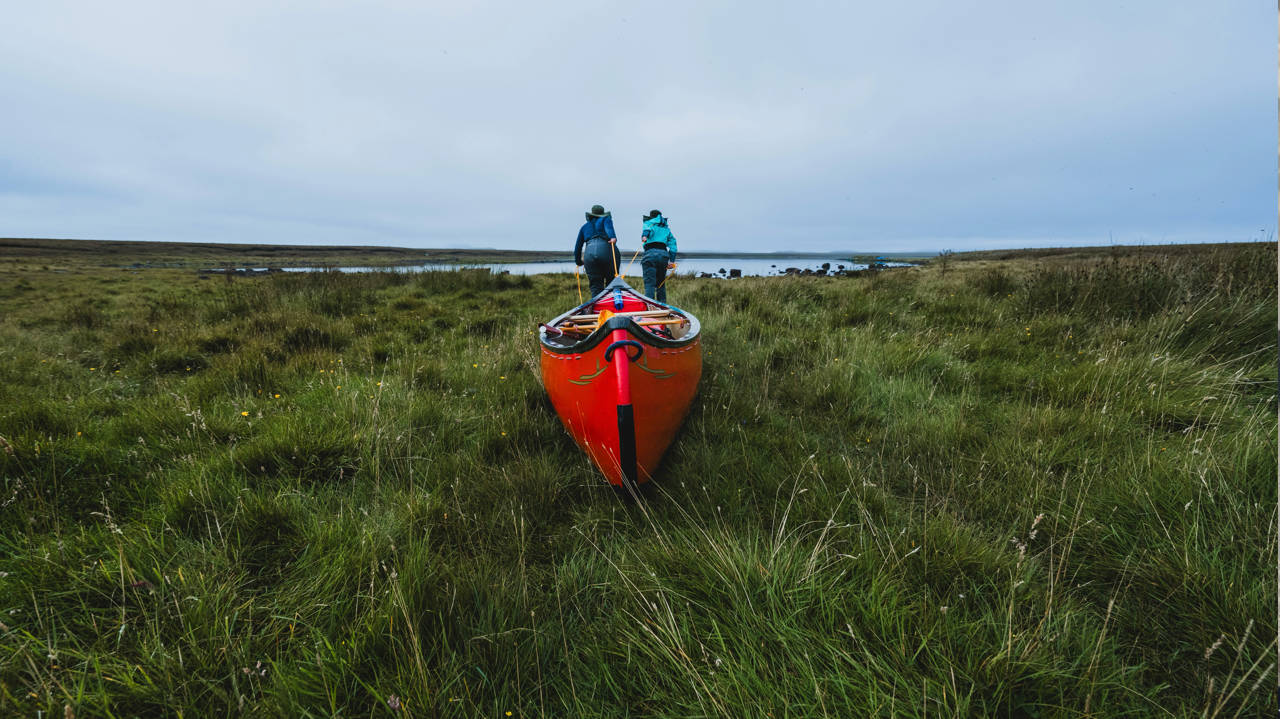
point(817, 126)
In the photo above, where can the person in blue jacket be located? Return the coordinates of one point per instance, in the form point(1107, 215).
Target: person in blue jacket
point(597, 249)
point(659, 255)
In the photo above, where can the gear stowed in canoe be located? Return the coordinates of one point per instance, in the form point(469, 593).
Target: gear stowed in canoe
point(621, 370)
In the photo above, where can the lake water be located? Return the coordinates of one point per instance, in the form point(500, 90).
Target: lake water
point(752, 267)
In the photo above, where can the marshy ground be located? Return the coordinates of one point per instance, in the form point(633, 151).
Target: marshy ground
point(1027, 485)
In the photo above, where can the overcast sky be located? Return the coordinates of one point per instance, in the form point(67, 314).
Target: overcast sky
point(755, 126)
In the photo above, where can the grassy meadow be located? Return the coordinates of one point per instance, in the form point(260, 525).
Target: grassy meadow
point(1035, 486)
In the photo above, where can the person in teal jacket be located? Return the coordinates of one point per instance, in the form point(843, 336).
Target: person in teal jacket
point(659, 255)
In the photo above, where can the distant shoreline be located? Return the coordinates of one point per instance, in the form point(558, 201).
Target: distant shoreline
point(41, 253)
point(207, 254)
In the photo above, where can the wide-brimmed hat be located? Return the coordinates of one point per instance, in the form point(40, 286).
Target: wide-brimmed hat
point(652, 214)
point(598, 211)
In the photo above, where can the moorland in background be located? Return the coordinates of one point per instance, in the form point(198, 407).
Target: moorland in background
point(1039, 484)
point(62, 255)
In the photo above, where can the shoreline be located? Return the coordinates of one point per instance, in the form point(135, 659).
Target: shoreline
point(37, 253)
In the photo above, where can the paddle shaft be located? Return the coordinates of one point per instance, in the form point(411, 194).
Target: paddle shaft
point(642, 323)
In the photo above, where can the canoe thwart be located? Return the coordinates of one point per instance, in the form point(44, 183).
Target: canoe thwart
point(643, 313)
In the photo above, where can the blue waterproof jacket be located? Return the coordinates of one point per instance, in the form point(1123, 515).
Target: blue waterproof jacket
point(594, 227)
point(656, 230)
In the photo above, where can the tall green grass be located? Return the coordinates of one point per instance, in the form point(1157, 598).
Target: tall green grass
point(1025, 488)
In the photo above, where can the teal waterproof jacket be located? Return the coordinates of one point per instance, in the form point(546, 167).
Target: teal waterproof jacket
point(656, 230)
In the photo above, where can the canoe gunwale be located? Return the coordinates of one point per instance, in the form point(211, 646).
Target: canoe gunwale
point(601, 333)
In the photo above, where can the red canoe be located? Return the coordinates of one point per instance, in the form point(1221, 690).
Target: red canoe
point(621, 370)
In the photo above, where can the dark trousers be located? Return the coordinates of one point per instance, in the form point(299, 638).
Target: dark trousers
point(654, 266)
point(600, 259)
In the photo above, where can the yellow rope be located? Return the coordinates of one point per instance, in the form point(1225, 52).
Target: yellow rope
point(664, 280)
point(577, 273)
point(633, 260)
point(613, 252)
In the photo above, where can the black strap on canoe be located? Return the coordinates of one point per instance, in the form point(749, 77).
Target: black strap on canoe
point(627, 448)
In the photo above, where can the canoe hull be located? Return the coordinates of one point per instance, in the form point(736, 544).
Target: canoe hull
point(642, 387)
point(582, 388)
